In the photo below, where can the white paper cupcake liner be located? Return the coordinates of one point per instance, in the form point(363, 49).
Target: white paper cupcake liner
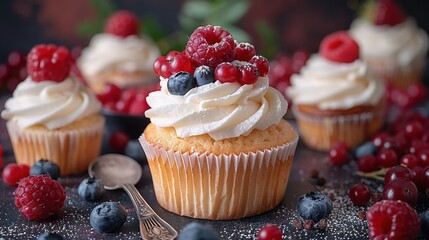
point(209, 186)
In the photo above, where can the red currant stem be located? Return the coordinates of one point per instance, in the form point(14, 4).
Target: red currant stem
point(378, 175)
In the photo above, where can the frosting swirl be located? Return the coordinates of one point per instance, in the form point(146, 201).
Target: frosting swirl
point(110, 52)
point(402, 43)
point(332, 85)
point(50, 103)
point(221, 110)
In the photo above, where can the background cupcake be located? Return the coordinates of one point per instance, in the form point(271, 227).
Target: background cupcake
point(217, 146)
point(52, 116)
point(335, 96)
point(391, 43)
point(119, 56)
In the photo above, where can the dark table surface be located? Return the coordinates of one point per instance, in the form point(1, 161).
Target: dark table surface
point(73, 222)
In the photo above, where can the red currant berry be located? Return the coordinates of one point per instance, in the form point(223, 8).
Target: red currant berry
point(368, 163)
point(249, 74)
point(129, 94)
point(244, 52)
point(226, 72)
point(418, 175)
point(122, 106)
point(165, 69)
point(138, 107)
point(13, 172)
point(425, 177)
point(417, 93)
point(299, 58)
point(397, 172)
point(401, 189)
point(179, 63)
point(387, 158)
point(171, 54)
point(417, 146)
point(118, 141)
point(359, 194)
point(423, 157)
point(379, 139)
point(4, 73)
point(280, 71)
point(339, 153)
point(413, 130)
point(16, 60)
point(261, 63)
point(270, 232)
point(111, 93)
point(157, 64)
point(409, 160)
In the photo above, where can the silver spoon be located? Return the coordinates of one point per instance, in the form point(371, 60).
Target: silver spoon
point(119, 171)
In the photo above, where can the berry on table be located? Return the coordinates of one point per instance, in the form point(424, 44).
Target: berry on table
point(13, 173)
point(198, 231)
point(180, 83)
point(401, 189)
point(118, 141)
point(44, 166)
point(409, 160)
point(359, 194)
point(108, 217)
point(91, 189)
point(270, 232)
point(314, 206)
point(227, 72)
point(210, 45)
point(39, 197)
point(50, 236)
point(339, 153)
point(368, 163)
point(390, 219)
point(249, 74)
point(339, 47)
point(418, 175)
point(244, 52)
point(204, 75)
point(367, 148)
point(49, 62)
point(388, 12)
point(387, 158)
point(397, 172)
point(122, 23)
point(261, 63)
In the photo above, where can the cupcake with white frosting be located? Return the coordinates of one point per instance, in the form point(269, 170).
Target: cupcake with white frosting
point(217, 145)
point(336, 98)
point(391, 43)
point(119, 55)
point(51, 115)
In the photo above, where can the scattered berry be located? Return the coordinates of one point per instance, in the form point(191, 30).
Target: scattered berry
point(43, 166)
point(122, 24)
point(48, 62)
point(261, 63)
point(39, 197)
point(270, 232)
point(401, 189)
point(91, 189)
point(111, 93)
point(198, 231)
point(50, 236)
point(390, 219)
point(387, 158)
point(204, 75)
point(379, 139)
point(368, 163)
point(210, 45)
point(249, 74)
point(397, 172)
point(339, 153)
point(388, 12)
point(227, 72)
point(108, 217)
point(365, 149)
point(359, 194)
point(180, 83)
point(418, 176)
point(244, 52)
point(339, 47)
point(138, 107)
point(409, 160)
point(13, 173)
point(118, 141)
point(314, 206)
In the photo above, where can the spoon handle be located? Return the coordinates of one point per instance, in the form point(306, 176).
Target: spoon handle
point(152, 227)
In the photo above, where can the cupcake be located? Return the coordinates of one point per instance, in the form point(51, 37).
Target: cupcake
point(335, 96)
point(119, 56)
point(52, 116)
point(391, 43)
point(217, 145)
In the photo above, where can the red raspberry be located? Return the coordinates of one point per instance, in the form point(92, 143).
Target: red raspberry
point(13, 173)
point(339, 47)
point(388, 12)
point(49, 62)
point(39, 197)
point(210, 45)
point(244, 52)
point(389, 219)
point(122, 24)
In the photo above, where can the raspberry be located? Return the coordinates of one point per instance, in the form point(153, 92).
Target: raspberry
point(210, 45)
point(49, 62)
point(390, 219)
point(388, 12)
point(122, 24)
point(339, 47)
point(39, 197)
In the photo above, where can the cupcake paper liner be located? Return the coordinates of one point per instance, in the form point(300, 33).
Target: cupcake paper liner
point(209, 186)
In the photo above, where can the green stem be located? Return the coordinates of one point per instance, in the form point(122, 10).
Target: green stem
point(378, 175)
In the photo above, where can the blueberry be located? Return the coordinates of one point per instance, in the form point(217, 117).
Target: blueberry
point(108, 217)
point(180, 83)
point(91, 189)
point(134, 150)
point(50, 236)
point(198, 231)
point(365, 149)
point(314, 206)
point(424, 223)
point(204, 75)
point(45, 167)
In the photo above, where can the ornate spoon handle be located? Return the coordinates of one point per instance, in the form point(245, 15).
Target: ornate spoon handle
point(152, 227)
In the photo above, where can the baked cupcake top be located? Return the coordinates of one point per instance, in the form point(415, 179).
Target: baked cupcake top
point(336, 78)
point(49, 96)
point(119, 48)
point(227, 95)
point(385, 32)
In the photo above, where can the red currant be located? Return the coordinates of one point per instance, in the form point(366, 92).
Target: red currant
point(226, 72)
point(423, 157)
point(179, 63)
point(111, 93)
point(417, 93)
point(413, 130)
point(299, 58)
point(157, 64)
point(13, 172)
point(4, 73)
point(401, 189)
point(368, 163)
point(244, 52)
point(379, 139)
point(118, 141)
point(249, 74)
point(270, 232)
point(418, 175)
point(280, 70)
point(387, 158)
point(397, 172)
point(171, 54)
point(16, 60)
point(338, 154)
point(138, 107)
point(359, 194)
point(425, 177)
point(165, 70)
point(261, 63)
point(122, 106)
point(409, 160)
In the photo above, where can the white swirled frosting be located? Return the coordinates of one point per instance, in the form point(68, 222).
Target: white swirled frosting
point(107, 52)
point(332, 85)
point(50, 103)
point(402, 43)
point(221, 110)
